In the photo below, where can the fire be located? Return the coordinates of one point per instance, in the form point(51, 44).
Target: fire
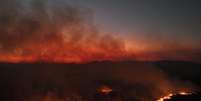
point(169, 96)
point(185, 93)
point(105, 89)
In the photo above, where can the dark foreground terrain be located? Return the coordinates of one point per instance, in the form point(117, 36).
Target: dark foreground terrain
point(126, 81)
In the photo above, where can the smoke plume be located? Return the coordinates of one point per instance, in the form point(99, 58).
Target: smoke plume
point(49, 30)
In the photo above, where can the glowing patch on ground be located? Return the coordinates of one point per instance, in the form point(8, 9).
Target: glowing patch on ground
point(169, 96)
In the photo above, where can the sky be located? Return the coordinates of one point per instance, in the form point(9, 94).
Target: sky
point(173, 21)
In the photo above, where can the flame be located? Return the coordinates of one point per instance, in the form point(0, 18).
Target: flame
point(169, 96)
point(184, 93)
point(105, 90)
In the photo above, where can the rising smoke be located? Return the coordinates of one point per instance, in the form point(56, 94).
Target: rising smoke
point(49, 30)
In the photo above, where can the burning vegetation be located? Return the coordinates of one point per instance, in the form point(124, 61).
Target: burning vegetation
point(169, 96)
point(105, 89)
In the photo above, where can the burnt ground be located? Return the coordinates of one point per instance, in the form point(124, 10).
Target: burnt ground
point(19, 81)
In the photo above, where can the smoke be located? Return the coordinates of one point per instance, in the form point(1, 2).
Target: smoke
point(49, 30)
point(55, 31)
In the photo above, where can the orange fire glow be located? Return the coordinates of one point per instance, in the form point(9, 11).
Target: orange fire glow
point(67, 57)
point(63, 52)
point(169, 96)
point(105, 89)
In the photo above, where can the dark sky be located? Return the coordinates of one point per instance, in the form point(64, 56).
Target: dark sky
point(173, 21)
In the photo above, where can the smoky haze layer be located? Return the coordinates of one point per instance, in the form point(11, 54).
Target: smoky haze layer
point(55, 31)
point(49, 30)
point(129, 81)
